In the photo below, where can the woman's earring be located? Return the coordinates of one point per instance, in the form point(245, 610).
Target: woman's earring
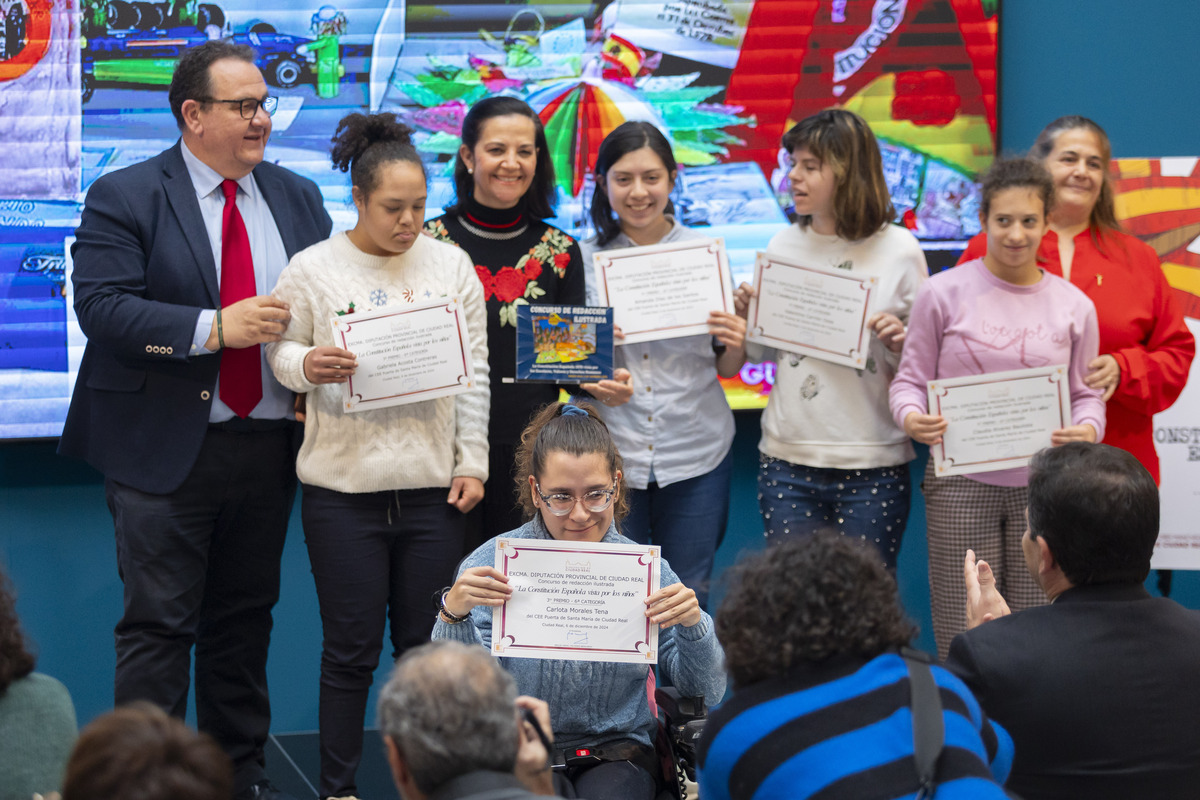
point(470, 171)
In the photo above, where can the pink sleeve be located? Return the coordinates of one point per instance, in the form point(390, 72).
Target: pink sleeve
point(1086, 406)
point(918, 363)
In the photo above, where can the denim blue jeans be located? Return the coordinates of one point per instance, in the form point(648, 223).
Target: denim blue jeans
point(870, 505)
point(687, 519)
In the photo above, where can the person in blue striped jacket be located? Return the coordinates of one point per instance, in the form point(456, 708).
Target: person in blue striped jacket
point(812, 631)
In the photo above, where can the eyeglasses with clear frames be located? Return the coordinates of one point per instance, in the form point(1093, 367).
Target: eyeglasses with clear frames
point(562, 504)
point(248, 106)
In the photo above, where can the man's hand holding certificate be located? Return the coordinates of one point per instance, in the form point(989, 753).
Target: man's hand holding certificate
point(809, 311)
point(665, 291)
point(405, 354)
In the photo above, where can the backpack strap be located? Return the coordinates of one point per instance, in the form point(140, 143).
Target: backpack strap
point(929, 727)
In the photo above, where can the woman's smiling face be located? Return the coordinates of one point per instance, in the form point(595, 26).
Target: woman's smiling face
point(503, 161)
point(566, 474)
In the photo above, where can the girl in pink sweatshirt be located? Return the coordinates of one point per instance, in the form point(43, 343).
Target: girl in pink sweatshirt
point(994, 314)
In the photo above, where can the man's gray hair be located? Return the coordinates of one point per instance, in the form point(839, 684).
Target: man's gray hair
point(449, 709)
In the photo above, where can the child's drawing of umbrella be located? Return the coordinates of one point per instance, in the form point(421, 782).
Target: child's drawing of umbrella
point(577, 114)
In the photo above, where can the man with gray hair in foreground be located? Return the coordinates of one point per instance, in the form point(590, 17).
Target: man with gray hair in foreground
point(452, 724)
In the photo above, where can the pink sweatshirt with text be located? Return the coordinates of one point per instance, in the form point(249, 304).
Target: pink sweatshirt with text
point(966, 321)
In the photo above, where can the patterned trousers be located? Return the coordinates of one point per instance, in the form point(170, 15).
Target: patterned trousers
point(962, 514)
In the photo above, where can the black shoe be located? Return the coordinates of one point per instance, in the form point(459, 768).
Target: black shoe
point(263, 790)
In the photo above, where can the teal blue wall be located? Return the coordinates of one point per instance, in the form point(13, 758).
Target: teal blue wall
point(1131, 67)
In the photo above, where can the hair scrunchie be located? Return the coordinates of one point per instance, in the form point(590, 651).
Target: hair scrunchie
point(569, 410)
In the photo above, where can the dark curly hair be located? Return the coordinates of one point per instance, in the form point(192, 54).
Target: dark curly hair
point(1016, 173)
point(15, 659)
point(805, 600)
point(363, 143)
point(575, 434)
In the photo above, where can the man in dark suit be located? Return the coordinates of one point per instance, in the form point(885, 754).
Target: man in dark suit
point(174, 262)
point(1099, 688)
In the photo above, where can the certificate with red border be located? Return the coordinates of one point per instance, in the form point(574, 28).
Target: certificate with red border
point(664, 291)
point(576, 601)
point(811, 311)
point(406, 354)
point(998, 420)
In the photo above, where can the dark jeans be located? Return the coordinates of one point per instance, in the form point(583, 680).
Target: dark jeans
point(687, 519)
point(201, 567)
point(868, 505)
point(376, 557)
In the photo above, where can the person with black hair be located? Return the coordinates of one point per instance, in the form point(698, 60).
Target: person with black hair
point(386, 489)
point(676, 437)
point(505, 187)
point(822, 702)
point(572, 489)
point(1098, 689)
point(37, 718)
point(174, 262)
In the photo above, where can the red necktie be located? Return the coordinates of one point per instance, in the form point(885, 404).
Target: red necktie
point(241, 371)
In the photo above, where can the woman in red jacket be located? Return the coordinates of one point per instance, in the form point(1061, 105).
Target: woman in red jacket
point(1145, 347)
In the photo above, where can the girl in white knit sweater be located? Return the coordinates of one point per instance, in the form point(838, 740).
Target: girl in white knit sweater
point(385, 490)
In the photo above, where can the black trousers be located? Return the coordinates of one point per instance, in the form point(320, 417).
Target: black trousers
point(377, 558)
point(200, 568)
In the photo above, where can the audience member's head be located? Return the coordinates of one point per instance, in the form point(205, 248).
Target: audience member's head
point(448, 709)
point(138, 752)
point(804, 601)
point(1097, 509)
point(15, 659)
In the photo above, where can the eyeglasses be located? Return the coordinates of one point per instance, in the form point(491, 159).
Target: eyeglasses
point(248, 106)
point(562, 504)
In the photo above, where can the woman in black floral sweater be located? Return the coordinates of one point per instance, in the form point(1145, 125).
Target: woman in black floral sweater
point(504, 181)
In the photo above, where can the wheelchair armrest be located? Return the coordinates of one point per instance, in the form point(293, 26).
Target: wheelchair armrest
point(679, 710)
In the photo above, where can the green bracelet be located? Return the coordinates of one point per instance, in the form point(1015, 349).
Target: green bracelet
point(220, 331)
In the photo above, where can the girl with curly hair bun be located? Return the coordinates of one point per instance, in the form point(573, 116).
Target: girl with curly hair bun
point(813, 630)
point(386, 490)
point(505, 187)
point(676, 438)
point(571, 488)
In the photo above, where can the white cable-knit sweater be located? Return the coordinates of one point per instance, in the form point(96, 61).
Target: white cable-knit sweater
point(414, 446)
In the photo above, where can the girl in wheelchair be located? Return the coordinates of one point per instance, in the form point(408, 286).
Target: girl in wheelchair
point(570, 489)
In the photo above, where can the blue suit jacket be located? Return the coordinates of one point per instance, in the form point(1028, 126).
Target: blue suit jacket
point(143, 269)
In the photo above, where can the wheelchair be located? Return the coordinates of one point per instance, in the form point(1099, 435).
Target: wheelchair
point(680, 722)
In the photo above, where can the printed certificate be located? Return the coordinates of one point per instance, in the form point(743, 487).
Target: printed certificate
point(814, 312)
point(406, 354)
point(577, 601)
point(998, 420)
point(664, 291)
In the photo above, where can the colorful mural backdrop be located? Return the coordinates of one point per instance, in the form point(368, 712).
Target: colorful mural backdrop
point(83, 91)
